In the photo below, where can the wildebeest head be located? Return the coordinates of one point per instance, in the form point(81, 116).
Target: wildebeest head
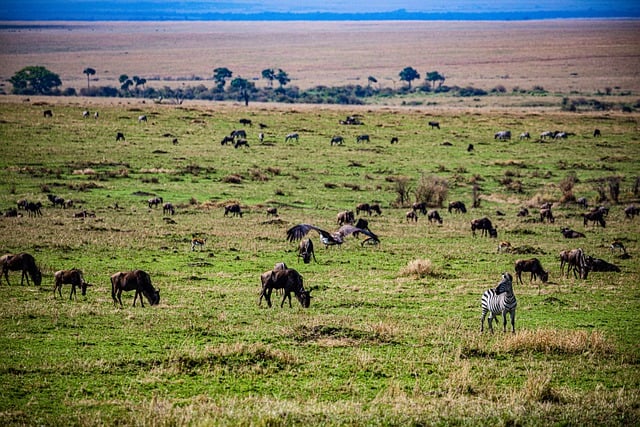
point(304, 297)
point(83, 287)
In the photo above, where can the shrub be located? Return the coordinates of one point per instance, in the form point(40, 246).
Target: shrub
point(432, 190)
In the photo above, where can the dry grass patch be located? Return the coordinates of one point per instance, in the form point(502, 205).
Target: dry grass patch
point(552, 341)
point(418, 268)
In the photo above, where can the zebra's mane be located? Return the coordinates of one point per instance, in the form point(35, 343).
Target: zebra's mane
point(505, 284)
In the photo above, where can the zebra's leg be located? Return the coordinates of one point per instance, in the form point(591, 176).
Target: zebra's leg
point(490, 322)
point(513, 321)
point(484, 314)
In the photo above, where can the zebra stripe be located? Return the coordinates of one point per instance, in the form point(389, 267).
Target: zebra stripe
point(500, 300)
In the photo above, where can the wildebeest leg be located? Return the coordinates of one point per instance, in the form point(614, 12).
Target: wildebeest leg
point(138, 292)
point(286, 294)
point(24, 274)
point(6, 275)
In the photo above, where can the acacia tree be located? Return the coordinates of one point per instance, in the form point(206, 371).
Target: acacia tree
point(434, 76)
point(125, 82)
point(408, 75)
point(270, 75)
point(282, 78)
point(34, 80)
point(89, 72)
point(220, 75)
point(243, 87)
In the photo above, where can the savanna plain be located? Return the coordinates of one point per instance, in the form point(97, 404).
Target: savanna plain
point(392, 336)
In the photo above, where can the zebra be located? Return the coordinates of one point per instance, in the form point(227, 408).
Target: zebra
point(500, 300)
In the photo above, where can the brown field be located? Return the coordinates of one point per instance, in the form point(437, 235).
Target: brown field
point(567, 56)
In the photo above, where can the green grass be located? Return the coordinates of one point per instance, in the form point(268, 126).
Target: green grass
point(378, 346)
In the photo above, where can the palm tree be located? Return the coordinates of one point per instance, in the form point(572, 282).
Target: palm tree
point(89, 72)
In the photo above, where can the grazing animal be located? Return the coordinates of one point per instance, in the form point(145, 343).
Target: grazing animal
point(262, 126)
point(412, 216)
point(288, 280)
point(631, 211)
point(617, 244)
point(96, 115)
point(85, 114)
point(546, 214)
point(11, 213)
point(596, 215)
point(22, 262)
point(239, 133)
point(469, 148)
point(532, 266)
point(547, 134)
point(227, 140)
point(523, 212)
point(500, 300)
point(561, 135)
point(434, 125)
point(241, 143)
point(47, 113)
point(504, 247)
point(394, 140)
point(482, 224)
point(33, 209)
point(55, 200)
point(245, 122)
point(22, 203)
point(305, 251)
point(137, 280)
point(261, 137)
point(154, 202)
point(571, 234)
point(174, 141)
point(525, 135)
point(291, 137)
point(576, 261)
point(70, 277)
point(346, 217)
point(142, 118)
point(297, 232)
point(196, 241)
point(597, 133)
point(168, 208)
point(233, 209)
point(363, 207)
point(420, 206)
point(433, 215)
point(582, 201)
point(337, 140)
point(375, 207)
point(362, 138)
point(458, 207)
point(120, 136)
point(272, 212)
point(502, 135)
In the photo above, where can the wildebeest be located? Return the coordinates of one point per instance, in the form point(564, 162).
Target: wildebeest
point(55, 200)
point(345, 217)
point(291, 137)
point(433, 215)
point(154, 202)
point(239, 133)
point(227, 140)
point(137, 280)
point(120, 136)
point(290, 281)
point(546, 214)
point(23, 262)
point(582, 201)
point(245, 122)
point(523, 212)
point(86, 114)
point(434, 125)
point(412, 216)
point(576, 261)
point(305, 251)
point(482, 224)
point(337, 140)
point(142, 118)
point(168, 208)
point(470, 148)
point(617, 244)
point(71, 277)
point(261, 137)
point(196, 241)
point(525, 135)
point(233, 209)
point(504, 247)
point(458, 207)
point(394, 140)
point(571, 234)
point(362, 138)
point(596, 215)
point(561, 135)
point(597, 133)
point(532, 266)
point(33, 208)
point(272, 212)
point(600, 265)
point(420, 206)
point(241, 143)
point(502, 135)
point(631, 211)
point(363, 207)
point(297, 232)
point(547, 134)
point(47, 113)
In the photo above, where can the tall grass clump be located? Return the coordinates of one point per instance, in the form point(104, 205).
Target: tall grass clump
point(418, 268)
point(553, 341)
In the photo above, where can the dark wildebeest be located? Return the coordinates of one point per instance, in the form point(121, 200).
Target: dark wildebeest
point(434, 125)
point(168, 208)
point(596, 215)
point(363, 207)
point(120, 136)
point(576, 261)
point(305, 251)
point(597, 133)
point(457, 206)
point(617, 245)
point(70, 277)
point(394, 140)
point(546, 214)
point(532, 266)
point(412, 216)
point(47, 113)
point(337, 140)
point(142, 118)
point(525, 135)
point(21, 262)
point(433, 215)
point(597, 264)
point(55, 200)
point(631, 211)
point(154, 202)
point(523, 212)
point(241, 143)
point(375, 207)
point(469, 148)
point(227, 140)
point(233, 209)
point(419, 206)
point(345, 217)
point(502, 135)
point(33, 209)
point(291, 137)
point(582, 201)
point(290, 281)
point(482, 224)
point(137, 280)
point(571, 234)
point(246, 122)
point(272, 212)
point(362, 138)
point(239, 133)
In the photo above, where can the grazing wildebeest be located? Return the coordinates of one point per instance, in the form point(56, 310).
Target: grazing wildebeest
point(337, 140)
point(500, 300)
point(245, 122)
point(571, 234)
point(297, 232)
point(597, 133)
point(617, 244)
point(196, 241)
point(291, 137)
point(239, 133)
point(261, 137)
point(168, 208)
point(482, 224)
point(227, 140)
point(547, 134)
point(174, 141)
point(55, 200)
point(363, 207)
point(241, 143)
point(33, 209)
point(561, 135)
point(120, 136)
point(272, 212)
point(375, 207)
point(22, 262)
point(22, 203)
point(233, 209)
point(433, 215)
point(394, 140)
point(305, 251)
point(434, 125)
point(290, 281)
point(457, 206)
point(137, 280)
point(631, 211)
point(576, 261)
point(345, 217)
point(11, 213)
point(582, 201)
point(525, 135)
point(532, 266)
point(502, 135)
point(412, 216)
point(47, 113)
point(85, 114)
point(71, 277)
point(469, 148)
point(523, 212)
point(96, 115)
point(596, 215)
point(420, 206)
point(154, 201)
point(362, 138)
point(546, 214)
point(142, 118)
point(262, 125)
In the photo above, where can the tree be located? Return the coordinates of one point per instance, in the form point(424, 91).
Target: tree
point(34, 80)
point(434, 76)
point(282, 78)
point(408, 75)
point(243, 87)
point(139, 81)
point(125, 82)
point(89, 72)
point(269, 74)
point(220, 75)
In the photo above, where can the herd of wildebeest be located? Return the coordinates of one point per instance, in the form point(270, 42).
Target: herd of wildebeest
point(499, 300)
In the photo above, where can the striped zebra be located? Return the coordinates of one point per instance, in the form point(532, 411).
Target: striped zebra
point(500, 300)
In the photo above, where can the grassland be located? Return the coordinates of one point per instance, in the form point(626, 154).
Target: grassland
point(379, 345)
